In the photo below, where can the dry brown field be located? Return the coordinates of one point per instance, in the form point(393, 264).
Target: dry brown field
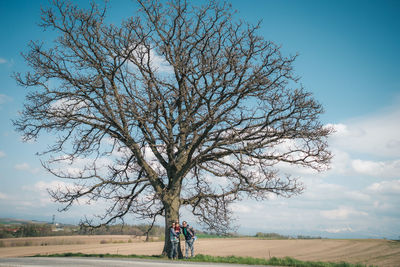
point(369, 251)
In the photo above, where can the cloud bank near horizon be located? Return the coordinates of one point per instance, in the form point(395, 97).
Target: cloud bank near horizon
point(357, 197)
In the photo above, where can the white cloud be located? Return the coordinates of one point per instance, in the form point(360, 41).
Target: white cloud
point(2, 154)
point(43, 186)
point(375, 135)
point(341, 130)
point(339, 230)
point(2, 60)
point(22, 166)
point(346, 200)
point(342, 213)
point(240, 208)
point(331, 191)
point(157, 62)
point(357, 196)
point(380, 169)
point(321, 191)
point(83, 205)
point(3, 196)
point(385, 187)
point(68, 106)
point(341, 162)
point(160, 63)
point(383, 206)
point(80, 166)
point(39, 193)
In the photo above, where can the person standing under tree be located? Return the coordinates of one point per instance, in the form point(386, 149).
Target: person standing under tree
point(188, 232)
point(178, 233)
point(177, 226)
point(174, 242)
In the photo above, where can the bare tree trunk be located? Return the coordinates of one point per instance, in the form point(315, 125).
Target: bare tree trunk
point(171, 215)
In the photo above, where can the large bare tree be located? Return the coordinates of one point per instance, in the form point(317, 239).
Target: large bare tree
point(178, 106)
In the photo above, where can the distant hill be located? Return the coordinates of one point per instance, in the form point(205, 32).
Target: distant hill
point(7, 221)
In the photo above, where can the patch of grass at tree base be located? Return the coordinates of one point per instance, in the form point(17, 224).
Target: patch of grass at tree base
point(287, 261)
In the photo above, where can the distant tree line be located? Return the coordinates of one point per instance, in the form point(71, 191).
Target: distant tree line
point(36, 230)
point(120, 229)
point(25, 230)
point(278, 236)
point(271, 236)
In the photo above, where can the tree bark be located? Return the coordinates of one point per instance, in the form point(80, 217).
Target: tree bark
point(171, 215)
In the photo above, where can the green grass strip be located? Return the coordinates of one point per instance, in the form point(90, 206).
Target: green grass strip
point(287, 261)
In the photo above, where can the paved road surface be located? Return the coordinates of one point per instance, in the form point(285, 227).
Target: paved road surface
point(104, 262)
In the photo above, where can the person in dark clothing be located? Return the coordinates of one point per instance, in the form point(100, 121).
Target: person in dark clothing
point(188, 232)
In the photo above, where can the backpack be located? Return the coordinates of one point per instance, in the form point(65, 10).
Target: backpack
point(188, 233)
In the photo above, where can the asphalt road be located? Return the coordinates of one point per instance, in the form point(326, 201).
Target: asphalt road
point(104, 262)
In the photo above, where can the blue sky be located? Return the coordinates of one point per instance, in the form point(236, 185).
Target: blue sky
point(348, 57)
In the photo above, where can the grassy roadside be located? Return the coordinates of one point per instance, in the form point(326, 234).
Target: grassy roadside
point(230, 259)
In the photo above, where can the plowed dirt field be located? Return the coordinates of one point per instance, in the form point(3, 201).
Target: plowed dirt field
point(368, 251)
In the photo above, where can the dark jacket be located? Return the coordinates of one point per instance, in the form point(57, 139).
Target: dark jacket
point(173, 236)
point(188, 233)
